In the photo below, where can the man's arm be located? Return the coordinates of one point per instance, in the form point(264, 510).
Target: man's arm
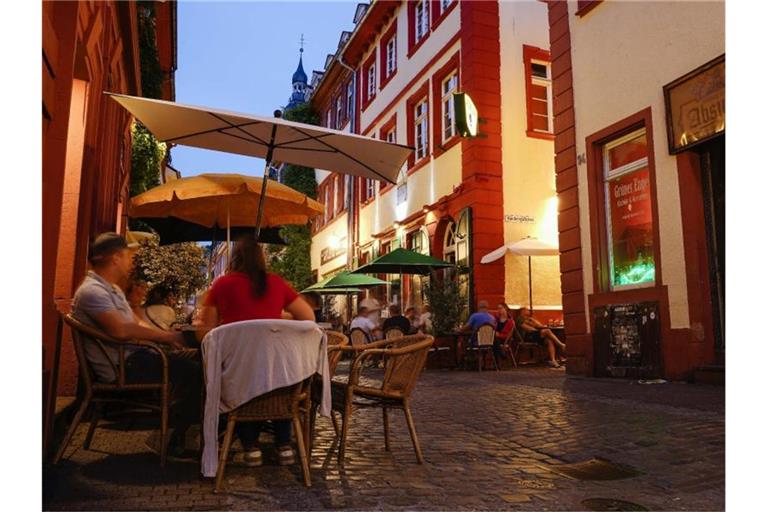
point(116, 326)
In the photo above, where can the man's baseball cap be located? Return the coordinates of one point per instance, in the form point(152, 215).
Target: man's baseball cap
point(107, 244)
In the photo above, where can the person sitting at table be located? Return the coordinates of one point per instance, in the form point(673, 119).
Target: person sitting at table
point(504, 325)
point(315, 302)
point(536, 332)
point(136, 295)
point(158, 308)
point(412, 314)
point(248, 292)
point(100, 303)
point(363, 321)
point(478, 318)
point(396, 319)
point(425, 320)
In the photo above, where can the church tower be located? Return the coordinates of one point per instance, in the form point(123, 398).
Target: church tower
point(301, 89)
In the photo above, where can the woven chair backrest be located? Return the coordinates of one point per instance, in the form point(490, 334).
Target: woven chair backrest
point(79, 333)
point(358, 337)
point(393, 332)
point(485, 335)
point(335, 339)
point(404, 365)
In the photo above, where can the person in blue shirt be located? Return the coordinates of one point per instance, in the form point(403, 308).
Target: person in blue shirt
point(480, 317)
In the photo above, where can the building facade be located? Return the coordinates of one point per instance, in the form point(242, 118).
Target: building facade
point(457, 198)
point(639, 103)
point(88, 48)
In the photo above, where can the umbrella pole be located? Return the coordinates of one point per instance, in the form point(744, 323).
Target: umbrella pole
point(228, 238)
point(268, 162)
point(530, 286)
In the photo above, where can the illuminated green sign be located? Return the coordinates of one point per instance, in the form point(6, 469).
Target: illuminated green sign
point(466, 114)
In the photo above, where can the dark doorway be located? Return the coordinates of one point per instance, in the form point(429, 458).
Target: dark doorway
point(713, 178)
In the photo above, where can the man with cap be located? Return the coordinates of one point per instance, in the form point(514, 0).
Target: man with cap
point(100, 303)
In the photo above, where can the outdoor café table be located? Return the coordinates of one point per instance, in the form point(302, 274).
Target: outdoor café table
point(457, 342)
point(244, 360)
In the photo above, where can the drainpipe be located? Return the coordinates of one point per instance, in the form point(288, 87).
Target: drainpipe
point(352, 235)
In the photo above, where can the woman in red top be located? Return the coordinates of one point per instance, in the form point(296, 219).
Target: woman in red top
point(504, 325)
point(248, 292)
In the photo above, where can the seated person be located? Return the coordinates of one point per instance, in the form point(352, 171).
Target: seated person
point(480, 317)
point(535, 332)
point(504, 325)
point(425, 320)
point(248, 292)
point(136, 295)
point(100, 303)
point(316, 303)
point(413, 316)
point(363, 321)
point(159, 307)
point(396, 320)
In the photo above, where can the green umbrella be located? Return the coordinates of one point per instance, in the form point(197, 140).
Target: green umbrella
point(346, 280)
point(403, 261)
point(330, 291)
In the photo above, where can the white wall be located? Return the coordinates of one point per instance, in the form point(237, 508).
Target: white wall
point(623, 53)
point(529, 174)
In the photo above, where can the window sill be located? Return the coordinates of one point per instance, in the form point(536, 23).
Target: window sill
point(588, 7)
point(418, 165)
point(437, 21)
point(386, 80)
point(439, 150)
point(413, 49)
point(540, 135)
point(367, 103)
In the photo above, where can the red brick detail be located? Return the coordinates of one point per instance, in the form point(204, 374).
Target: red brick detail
point(556, 11)
point(585, 6)
point(567, 178)
point(565, 159)
point(562, 84)
point(570, 239)
point(561, 65)
point(568, 219)
point(565, 139)
point(481, 156)
point(568, 199)
point(574, 325)
point(572, 281)
point(563, 102)
point(559, 29)
point(570, 260)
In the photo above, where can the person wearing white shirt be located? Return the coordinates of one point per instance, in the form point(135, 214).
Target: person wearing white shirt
point(374, 309)
point(363, 321)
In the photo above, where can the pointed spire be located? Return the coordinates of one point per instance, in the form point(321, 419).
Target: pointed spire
point(300, 75)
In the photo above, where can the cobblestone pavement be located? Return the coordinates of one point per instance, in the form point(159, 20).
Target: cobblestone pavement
point(489, 440)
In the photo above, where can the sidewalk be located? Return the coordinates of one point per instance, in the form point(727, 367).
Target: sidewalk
point(489, 439)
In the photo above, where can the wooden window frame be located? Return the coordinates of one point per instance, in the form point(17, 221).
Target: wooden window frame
point(438, 77)
point(413, 44)
point(530, 54)
point(597, 208)
point(385, 129)
point(438, 14)
point(389, 35)
point(367, 99)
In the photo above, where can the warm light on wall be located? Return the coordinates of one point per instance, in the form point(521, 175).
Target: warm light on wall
point(548, 226)
point(334, 242)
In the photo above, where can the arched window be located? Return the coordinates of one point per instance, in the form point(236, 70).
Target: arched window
point(449, 243)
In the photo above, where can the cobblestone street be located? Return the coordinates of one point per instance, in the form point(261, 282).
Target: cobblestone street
point(490, 440)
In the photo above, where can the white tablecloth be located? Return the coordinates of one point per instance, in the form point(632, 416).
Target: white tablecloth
point(243, 360)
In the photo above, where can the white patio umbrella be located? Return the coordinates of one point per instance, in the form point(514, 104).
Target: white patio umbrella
point(525, 247)
point(273, 139)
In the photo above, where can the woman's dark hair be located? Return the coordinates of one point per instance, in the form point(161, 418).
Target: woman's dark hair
point(248, 258)
point(158, 295)
point(507, 309)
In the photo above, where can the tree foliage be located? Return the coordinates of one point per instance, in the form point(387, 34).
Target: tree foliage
point(147, 156)
point(151, 73)
point(293, 261)
point(179, 268)
point(447, 303)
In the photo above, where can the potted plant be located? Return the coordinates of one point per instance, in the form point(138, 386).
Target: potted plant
point(447, 303)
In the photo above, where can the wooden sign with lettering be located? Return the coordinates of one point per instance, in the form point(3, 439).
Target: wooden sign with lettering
point(695, 106)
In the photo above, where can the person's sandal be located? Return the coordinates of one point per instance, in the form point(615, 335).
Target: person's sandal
point(285, 456)
point(250, 458)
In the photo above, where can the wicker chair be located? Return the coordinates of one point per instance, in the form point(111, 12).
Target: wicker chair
point(359, 337)
point(288, 403)
point(97, 392)
point(404, 359)
point(335, 340)
point(531, 346)
point(393, 332)
point(485, 335)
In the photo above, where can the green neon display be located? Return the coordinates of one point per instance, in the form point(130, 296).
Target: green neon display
point(636, 273)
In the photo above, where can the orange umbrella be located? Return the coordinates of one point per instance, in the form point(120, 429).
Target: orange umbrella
point(225, 200)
